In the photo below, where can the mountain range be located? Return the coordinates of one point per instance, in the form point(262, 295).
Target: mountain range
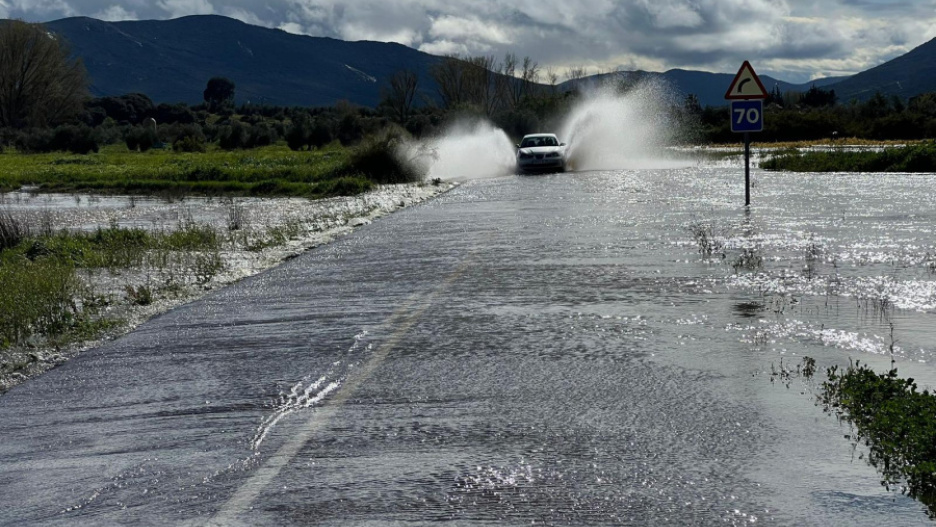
point(172, 60)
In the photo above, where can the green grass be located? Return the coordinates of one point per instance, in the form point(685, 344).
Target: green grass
point(915, 158)
point(112, 247)
point(268, 171)
point(895, 420)
point(35, 298)
point(39, 287)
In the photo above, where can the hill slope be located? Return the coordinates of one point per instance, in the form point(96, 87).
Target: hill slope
point(906, 76)
point(172, 60)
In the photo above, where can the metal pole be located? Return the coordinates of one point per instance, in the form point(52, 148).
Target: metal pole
point(747, 169)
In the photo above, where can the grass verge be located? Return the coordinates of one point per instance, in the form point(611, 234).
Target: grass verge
point(267, 171)
point(914, 158)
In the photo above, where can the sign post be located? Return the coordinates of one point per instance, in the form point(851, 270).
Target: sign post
point(747, 94)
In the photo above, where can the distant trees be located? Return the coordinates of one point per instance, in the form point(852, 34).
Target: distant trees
point(400, 94)
point(817, 97)
point(39, 84)
point(130, 108)
point(219, 94)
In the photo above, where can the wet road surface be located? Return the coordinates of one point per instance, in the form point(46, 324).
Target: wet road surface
point(524, 350)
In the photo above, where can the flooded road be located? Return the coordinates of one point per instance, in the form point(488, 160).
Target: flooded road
point(579, 349)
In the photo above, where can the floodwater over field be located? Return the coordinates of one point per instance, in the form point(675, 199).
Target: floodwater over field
point(591, 348)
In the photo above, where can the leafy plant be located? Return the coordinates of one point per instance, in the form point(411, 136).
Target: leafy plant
point(895, 420)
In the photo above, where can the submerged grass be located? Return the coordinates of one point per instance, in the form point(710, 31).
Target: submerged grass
point(40, 292)
point(895, 420)
point(914, 158)
point(35, 298)
point(268, 171)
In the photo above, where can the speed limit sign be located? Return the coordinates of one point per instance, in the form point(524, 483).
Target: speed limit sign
point(747, 116)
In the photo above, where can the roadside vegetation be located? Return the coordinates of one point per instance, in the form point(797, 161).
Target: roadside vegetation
point(267, 171)
point(887, 414)
point(42, 295)
point(895, 420)
point(61, 287)
point(912, 158)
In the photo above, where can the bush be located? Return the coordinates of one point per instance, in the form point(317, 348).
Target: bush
point(140, 138)
point(376, 159)
point(297, 136)
point(234, 137)
point(320, 134)
point(188, 138)
point(75, 139)
point(261, 134)
point(189, 144)
point(66, 138)
point(895, 420)
point(350, 129)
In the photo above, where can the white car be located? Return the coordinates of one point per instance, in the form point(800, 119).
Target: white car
point(541, 153)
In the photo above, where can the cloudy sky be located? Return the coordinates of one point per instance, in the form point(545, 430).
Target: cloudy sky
point(795, 40)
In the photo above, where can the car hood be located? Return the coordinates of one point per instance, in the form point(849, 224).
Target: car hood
point(541, 150)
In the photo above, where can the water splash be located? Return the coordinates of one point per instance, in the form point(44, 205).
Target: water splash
point(467, 150)
point(609, 130)
point(605, 130)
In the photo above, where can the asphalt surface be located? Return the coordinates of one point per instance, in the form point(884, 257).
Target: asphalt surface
point(522, 350)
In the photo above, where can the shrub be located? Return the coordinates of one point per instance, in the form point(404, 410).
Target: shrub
point(188, 138)
point(189, 144)
point(320, 134)
point(140, 138)
point(234, 137)
point(376, 159)
point(261, 134)
point(297, 136)
point(75, 139)
point(895, 420)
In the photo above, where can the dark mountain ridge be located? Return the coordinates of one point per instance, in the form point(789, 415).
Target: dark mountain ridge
point(172, 60)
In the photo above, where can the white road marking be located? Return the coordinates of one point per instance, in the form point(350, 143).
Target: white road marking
point(403, 319)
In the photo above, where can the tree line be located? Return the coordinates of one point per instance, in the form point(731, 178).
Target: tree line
point(45, 106)
point(817, 114)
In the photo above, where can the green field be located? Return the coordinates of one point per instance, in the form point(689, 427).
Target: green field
point(268, 171)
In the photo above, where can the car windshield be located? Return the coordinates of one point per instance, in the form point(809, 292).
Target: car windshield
point(531, 142)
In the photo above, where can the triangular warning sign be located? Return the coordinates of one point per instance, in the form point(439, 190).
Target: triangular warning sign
point(746, 85)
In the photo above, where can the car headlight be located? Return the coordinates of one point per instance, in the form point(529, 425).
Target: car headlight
point(554, 154)
point(526, 156)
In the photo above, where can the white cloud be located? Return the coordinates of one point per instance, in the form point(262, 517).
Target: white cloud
point(178, 8)
point(292, 27)
point(115, 13)
point(794, 38)
point(449, 27)
point(445, 47)
point(248, 17)
point(42, 7)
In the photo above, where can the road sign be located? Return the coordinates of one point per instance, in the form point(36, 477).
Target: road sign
point(746, 85)
point(747, 116)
